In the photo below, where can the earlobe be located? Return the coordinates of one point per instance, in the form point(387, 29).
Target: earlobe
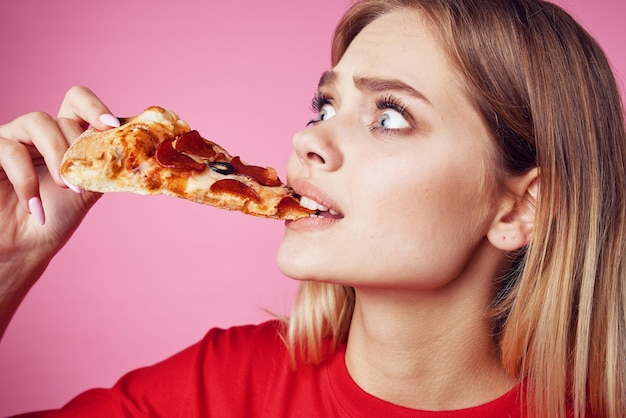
point(513, 225)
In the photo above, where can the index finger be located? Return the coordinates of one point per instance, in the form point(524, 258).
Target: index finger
point(40, 136)
point(81, 104)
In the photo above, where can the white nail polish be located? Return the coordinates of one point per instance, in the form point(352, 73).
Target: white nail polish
point(36, 209)
point(109, 120)
point(71, 186)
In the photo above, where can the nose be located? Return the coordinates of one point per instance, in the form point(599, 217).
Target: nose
point(316, 149)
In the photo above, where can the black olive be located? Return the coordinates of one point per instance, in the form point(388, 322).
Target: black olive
point(222, 167)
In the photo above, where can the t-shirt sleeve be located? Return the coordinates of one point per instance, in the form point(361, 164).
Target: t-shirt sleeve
point(223, 373)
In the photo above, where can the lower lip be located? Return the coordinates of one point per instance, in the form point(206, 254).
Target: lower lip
point(313, 223)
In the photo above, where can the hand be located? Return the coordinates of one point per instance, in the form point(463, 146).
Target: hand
point(38, 211)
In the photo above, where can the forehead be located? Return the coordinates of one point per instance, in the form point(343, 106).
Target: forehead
point(401, 45)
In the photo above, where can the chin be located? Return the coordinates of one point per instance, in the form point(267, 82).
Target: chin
point(291, 263)
point(299, 263)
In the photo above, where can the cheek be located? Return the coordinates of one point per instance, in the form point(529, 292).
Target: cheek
point(426, 221)
point(411, 194)
point(409, 215)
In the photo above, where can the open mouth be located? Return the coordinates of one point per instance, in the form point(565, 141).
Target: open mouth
point(321, 211)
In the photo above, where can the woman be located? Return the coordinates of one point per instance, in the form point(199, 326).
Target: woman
point(475, 264)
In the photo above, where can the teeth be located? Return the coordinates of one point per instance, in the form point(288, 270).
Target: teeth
point(313, 205)
point(307, 203)
point(333, 212)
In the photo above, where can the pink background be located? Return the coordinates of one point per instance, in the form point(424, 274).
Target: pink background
point(146, 276)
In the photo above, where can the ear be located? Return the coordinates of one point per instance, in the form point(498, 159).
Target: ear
point(513, 225)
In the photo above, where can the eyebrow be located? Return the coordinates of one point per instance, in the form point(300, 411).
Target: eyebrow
point(374, 84)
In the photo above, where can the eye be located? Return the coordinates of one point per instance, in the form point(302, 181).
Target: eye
point(392, 119)
point(323, 107)
point(391, 116)
point(326, 112)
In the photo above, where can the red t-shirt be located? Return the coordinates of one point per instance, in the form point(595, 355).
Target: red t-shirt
point(245, 372)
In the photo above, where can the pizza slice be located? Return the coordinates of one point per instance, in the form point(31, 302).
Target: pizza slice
point(157, 153)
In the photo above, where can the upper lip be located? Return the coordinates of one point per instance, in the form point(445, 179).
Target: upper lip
point(306, 189)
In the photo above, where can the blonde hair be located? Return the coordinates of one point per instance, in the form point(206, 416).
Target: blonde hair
point(547, 92)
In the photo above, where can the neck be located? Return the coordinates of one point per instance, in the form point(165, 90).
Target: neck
point(429, 349)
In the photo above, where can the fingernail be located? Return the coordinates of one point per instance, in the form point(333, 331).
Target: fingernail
point(36, 209)
point(70, 186)
point(109, 120)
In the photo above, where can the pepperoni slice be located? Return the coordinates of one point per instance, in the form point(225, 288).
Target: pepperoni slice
point(235, 187)
point(168, 157)
point(192, 143)
point(263, 176)
point(287, 204)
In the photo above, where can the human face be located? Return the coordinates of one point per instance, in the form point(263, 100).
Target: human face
point(401, 153)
